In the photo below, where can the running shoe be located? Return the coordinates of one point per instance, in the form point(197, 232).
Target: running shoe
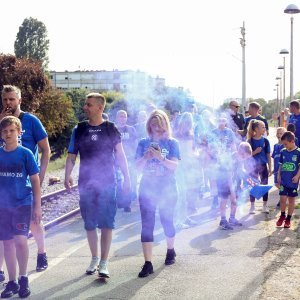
point(41, 262)
point(234, 222)
point(11, 288)
point(280, 221)
point(287, 223)
point(265, 209)
point(190, 222)
point(2, 276)
point(103, 271)
point(252, 210)
point(92, 268)
point(170, 257)
point(147, 269)
point(225, 225)
point(24, 290)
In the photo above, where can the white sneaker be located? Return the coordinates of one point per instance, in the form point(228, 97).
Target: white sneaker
point(103, 271)
point(92, 268)
point(265, 209)
point(252, 210)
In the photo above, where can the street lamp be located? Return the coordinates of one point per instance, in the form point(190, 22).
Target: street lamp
point(278, 94)
point(281, 88)
point(284, 52)
point(277, 99)
point(291, 9)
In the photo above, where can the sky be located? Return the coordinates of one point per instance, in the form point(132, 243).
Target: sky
point(191, 43)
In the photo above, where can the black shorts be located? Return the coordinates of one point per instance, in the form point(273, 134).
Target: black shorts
point(286, 191)
point(14, 221)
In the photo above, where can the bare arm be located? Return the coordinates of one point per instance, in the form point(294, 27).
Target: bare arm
point(45, 149)
point(36, 191)
point(70, 163)
point(269, 163)
point(122, 162)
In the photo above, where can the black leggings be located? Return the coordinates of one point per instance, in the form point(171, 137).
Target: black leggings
point(261, 172)
point(163, 196)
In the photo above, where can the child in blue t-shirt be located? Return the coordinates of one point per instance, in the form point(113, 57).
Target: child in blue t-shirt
point(261, 154)
point(288, 177)
point(276, 155)
point(19, 186)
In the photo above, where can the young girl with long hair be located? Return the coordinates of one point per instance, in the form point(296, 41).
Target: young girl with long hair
point(261, 154)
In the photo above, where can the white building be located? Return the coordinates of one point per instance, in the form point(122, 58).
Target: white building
point(137, 84)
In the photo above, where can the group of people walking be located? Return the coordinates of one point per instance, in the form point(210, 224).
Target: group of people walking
point(167, 165)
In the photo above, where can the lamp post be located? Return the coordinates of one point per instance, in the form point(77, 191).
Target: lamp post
point(284, 52)
point(243, 44)
point(281, 88)
point(291, 9)
point(277, 102)
point(278, 94)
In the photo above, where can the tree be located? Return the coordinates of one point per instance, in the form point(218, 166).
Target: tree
point(28, 75)
point(32, 41)
point(57, 115)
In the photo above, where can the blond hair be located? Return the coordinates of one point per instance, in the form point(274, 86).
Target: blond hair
point(10, 120)
point(163, 122)
point(11, 88)
point(253, 125)
point(99, 98)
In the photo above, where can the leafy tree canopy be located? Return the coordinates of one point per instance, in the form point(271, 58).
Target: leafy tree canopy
point(28, 75)
point(32, 42)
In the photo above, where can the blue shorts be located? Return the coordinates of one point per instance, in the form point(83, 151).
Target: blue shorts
point(14, 221)
point(286, 191)
point(98, 207)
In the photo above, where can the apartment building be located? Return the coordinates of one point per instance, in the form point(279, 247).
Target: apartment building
point(134, 83)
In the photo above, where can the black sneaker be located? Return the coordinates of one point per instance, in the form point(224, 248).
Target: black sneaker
point(234, 222)
point(170, 257)
point(146, 270)
point(11, 288)
point(2, 276)
point(42, 262)
point(225, 225)
point(24, 290)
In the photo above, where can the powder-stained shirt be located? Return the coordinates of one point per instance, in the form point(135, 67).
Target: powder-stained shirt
point(15, 168)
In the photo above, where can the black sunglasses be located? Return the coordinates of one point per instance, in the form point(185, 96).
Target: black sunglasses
point(236, 106)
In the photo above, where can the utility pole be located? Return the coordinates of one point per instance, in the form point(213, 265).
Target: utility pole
point(243, 44)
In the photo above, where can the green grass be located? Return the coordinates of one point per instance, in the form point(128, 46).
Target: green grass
point(57, 164)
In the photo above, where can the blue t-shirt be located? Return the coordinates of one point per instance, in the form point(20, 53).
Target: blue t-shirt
point(296, 121)
point(260, 118)
point(260, 158)
point(15, 168)
point(169, 148)
point(223, 138)
point(276, 157)
point(289, 161)
point(33, 131)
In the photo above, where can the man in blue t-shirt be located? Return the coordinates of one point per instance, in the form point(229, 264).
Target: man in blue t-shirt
point(254, 109)
point(295, 117)
point(288, 177)
point(98, 142)
point(33, 137)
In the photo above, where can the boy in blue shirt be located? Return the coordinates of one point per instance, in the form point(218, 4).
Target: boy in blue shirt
point(276, 156)
point(19, 186)
point(288, 177)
